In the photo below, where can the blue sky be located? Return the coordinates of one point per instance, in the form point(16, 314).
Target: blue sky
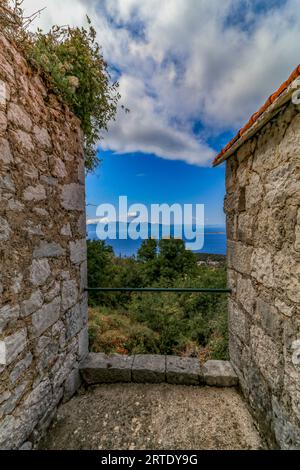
point(191, 72)
point(148, 179)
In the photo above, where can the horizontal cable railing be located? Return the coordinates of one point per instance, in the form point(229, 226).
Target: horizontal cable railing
point(159, 289)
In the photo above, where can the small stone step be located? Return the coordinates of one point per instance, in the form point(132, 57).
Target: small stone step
point(183, 370)
point(149, 368)
point(100, 368)
point(219, 374)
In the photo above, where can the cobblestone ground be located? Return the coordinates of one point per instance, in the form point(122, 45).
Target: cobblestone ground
point(141, 416)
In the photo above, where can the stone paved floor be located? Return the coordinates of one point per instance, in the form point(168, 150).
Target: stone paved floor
point(162, 416)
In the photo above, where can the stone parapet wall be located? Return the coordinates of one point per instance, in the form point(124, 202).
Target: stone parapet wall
point(263, 223)
point(43, 306)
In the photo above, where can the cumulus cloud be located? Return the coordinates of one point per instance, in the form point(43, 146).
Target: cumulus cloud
point(186, 62)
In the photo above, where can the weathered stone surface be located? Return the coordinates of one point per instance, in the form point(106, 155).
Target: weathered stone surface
point(149, 368)
point(83, 276)
point(32, 304)
point(237, 321)
point(100, 368)
point(42, 138)
point(23, 141)
point(48, 250)
point(69, 294)
point(219, 374)
point(34, 193)
point(283, 308)
point(9, 406)
point(254, 191)
point(8, 313)
point(5, 152)
point(53, 291)
point(72, 197)
point(269, 318)
point(66, 230)
point(262, 267)
point(46, 317)
point(78, 251)
point(267, 355)
point(239, 256)
point(59, 168)
point(12, 346)
point(245, 293)
point(7, 183)
point(297, 232)
point(287, 275)
point(74, 321)
point(83, 344)
point(5, 230)
point(72, 384)
point(39, 272)
point(26, 446)
point(20, 368)
point(62, 369)
point(81, 226)
point(183, 370)
point(18, 117)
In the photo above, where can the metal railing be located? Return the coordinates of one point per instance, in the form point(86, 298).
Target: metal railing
point(159, 289)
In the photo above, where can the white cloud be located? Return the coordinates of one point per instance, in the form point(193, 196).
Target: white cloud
point(183, 61)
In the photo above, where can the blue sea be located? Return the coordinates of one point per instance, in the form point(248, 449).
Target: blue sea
point(214, 241)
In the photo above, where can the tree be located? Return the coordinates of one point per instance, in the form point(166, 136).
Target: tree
point(174, 260)
point(147, 251)
point(101, 269)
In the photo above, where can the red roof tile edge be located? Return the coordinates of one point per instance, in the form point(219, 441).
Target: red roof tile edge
point(256, 115)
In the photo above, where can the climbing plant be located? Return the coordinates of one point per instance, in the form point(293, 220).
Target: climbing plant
point(71, 62)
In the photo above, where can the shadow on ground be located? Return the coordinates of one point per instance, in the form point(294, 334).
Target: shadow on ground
point(162, 416)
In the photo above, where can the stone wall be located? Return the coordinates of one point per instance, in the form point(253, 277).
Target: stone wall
point(263, 223)
point(43, 307)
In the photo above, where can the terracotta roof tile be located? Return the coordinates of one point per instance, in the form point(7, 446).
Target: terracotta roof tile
point(256, 115)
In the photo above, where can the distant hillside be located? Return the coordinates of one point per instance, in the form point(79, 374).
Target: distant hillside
point(210, 259)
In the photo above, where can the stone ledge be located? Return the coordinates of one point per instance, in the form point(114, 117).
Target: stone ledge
point(99, 368)
point(219, 374)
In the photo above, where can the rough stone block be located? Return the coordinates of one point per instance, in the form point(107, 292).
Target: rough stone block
point(83, 343)
point(34, 193)
point(74, 321)
point(72, 197)
point(69, 294)
point(39, 272)
point(42, 138)
point(5, 230)
point(66, 230)
point(32, 304)
point(12, 346)
point(20, 368)
point(46, 317)
point(239, 256)
point(262, 267)
point(183, 370)
point(219, 374)
point(72, 384)
point(149, 368)
point(5, 152)
point(18, 117)
point(8, 313)
point(48, 250)
point(78, 251)
point(100, 368)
